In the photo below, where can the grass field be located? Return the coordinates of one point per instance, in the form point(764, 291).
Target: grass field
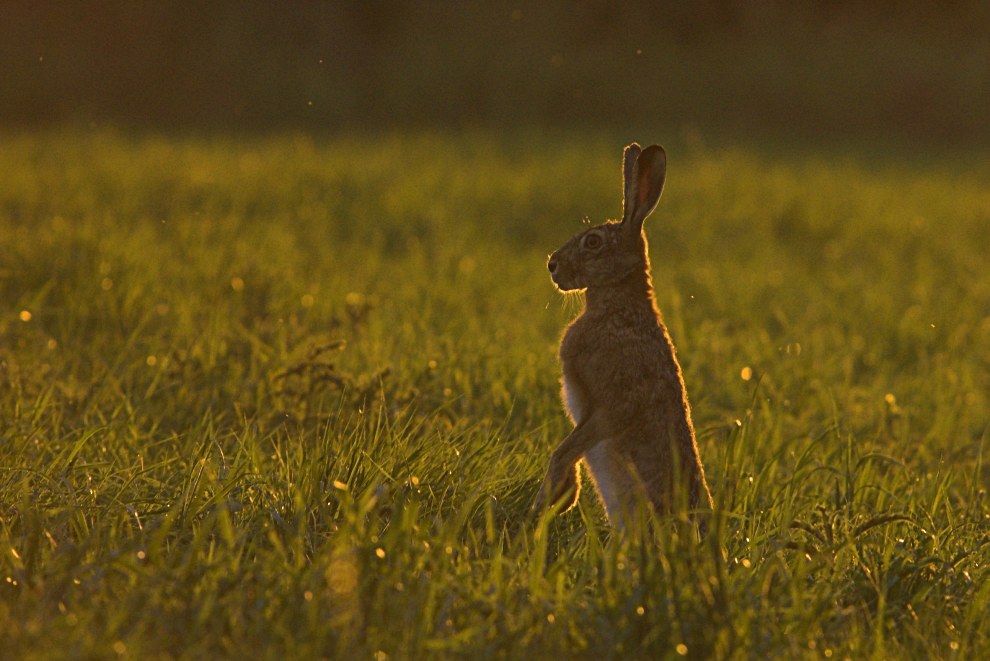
point(290, 397)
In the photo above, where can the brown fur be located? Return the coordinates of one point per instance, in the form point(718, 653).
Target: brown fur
point(622, 384)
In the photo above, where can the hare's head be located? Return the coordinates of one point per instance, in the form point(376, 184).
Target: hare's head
point(608, 253)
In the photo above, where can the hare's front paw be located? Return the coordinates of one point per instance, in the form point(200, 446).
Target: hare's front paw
point(559, 486)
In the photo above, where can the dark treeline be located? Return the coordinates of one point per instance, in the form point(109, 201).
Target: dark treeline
point(909, 68)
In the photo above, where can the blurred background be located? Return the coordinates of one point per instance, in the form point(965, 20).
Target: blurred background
point(827, 69)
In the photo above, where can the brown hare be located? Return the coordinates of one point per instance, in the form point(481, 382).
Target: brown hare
point(622, 385)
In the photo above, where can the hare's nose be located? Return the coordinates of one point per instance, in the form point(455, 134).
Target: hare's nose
point(552, 264)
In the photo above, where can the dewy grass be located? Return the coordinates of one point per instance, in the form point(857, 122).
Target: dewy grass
point(288, 397)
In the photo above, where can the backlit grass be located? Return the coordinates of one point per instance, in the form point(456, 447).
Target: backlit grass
point(291, 397)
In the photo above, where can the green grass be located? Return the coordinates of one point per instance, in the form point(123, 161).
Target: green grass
point(291, 397)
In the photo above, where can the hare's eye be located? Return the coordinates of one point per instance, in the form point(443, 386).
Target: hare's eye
point(593, 242)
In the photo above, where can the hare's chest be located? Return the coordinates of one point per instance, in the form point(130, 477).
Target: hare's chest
point(578, 357)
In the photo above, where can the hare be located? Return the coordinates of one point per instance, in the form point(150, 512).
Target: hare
point(622, 385)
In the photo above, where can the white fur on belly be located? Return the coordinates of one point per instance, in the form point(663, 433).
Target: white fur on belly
point(601, 466)
point(571, 402)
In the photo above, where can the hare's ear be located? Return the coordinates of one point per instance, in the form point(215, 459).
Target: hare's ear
point(644, 172)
